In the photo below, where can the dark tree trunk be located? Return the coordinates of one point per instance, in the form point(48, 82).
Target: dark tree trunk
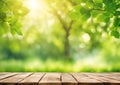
point(67, 45)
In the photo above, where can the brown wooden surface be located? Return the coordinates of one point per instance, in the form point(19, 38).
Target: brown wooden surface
point(13, 80)
point(51, 79)
point(68, 79)
point(85, 80)
point(105, 78)
point(5, 75)
point(59, 78)
point(32, 79)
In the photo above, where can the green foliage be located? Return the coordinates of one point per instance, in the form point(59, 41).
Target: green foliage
point(11, 14)
point(117, 22)
point(110, 6)
point(102, 10)
point(97, 1)
point(85, 13)
point(115, 33)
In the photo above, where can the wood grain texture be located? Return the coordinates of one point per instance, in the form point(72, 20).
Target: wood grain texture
point(68, 79)
point(6, 75)
point(2, 73)
point(85, 80)
point(51, 79)
point(32, 79)
point(22, 78)
point(13, 80)
point(104, 79)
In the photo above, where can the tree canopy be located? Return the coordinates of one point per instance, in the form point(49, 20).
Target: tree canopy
point(105, 13)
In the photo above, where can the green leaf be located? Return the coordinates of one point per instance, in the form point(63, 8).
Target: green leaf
point(110, 6)
point(117, 13)
point(97, 1)
point(1, 3)
point(103, 17)
point(85, 17)
point(115, 33)
point(13, 32)
point(4, 27)
point(117, 22)
point(95, 13)
point(85, 13)
point(74, 15)
point(89, 4)
point(98, 5)
point(19, 32)
point(83, 10)
point(107, 1)
point(3, 16)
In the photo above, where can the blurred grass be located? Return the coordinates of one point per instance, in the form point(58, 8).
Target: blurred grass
point(37, 65)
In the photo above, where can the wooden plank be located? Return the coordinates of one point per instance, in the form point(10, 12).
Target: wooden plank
point(107, 75)
point(104, 79)
point(68, 79)
point(116, 74)
point(113, 77)
point(51, 79)
point(85, 80)
point(4, 75)
point(14, 79)
point(32, 79)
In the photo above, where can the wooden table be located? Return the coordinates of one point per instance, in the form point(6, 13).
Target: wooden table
point(59, 78)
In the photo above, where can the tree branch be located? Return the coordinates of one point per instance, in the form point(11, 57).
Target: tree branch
point(70, 25)
point(63, 23)
point(97, 9)
point(59, 17)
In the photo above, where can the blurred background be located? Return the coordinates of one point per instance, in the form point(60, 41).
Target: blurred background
point(58, 36)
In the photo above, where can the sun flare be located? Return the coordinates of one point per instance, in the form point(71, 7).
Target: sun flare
point(32, 4)
point(35, 5)
point(38, 8)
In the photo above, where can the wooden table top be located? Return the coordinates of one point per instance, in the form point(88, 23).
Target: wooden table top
point(59, 78)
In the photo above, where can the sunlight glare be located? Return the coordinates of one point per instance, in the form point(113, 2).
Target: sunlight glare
point(35, 6)
point(38, 9)
point(32, 4)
